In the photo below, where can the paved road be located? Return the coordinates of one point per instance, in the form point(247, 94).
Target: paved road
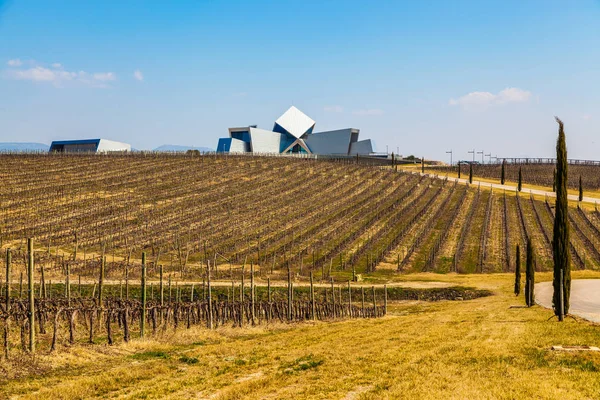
point(585, 297)
point(512, 188)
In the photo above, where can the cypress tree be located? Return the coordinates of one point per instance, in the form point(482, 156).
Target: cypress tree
point(520, 184)
point(560, 242)
point(470, 173)
point(554, 181)
point(503, 172)
point(518, 272)
point(580, 189)
point(423, 164)
point(529, 275)
point(458, 170)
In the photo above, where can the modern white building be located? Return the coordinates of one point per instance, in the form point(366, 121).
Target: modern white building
point(88, 146)
point(293, 133)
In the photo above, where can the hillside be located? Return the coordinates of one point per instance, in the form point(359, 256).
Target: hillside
point(326, 217)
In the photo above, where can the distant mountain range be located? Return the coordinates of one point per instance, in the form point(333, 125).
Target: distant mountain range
point(23, 147)
point(31, 147)
point(178, 148)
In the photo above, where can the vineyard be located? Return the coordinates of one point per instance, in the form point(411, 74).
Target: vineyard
point(334, 219)
point(132, 242)
point(534, 173)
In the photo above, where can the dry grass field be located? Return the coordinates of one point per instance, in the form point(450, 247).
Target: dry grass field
point(286, 220)
point(476, 349)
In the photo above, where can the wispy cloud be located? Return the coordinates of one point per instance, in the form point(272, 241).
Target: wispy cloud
point(240, 94)
point(333, 109)
point(14, 63)
point(480, 100)
point(137, 74)
point(56, 75)
point(368, 111)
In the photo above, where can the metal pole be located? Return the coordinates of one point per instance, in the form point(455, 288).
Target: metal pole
point(562, 299)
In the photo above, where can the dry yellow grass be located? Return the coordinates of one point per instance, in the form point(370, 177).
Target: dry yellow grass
point(479, 349)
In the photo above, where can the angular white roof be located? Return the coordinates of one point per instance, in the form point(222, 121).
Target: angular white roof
point(295, 122)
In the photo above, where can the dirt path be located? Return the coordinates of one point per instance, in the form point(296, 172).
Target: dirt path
point(585, 297)
point(511, 188)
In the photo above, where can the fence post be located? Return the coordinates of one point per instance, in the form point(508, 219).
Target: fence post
point(143, 321)
point(31, 313)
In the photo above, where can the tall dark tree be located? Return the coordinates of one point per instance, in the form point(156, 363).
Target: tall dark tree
point(503, 172)
point(423, 164)
point(529, 275)
point(580, 189)
point(470, 173)
point(554, 181)
point(459, 170)
point(518, 272)
point(560, 239)
point(520, 183)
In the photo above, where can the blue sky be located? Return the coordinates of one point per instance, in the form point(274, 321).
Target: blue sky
point(421, 76)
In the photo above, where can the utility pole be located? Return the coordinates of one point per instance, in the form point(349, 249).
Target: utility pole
point(489, 156)
point(472, 152)
point(480, 152)
point(450, 152)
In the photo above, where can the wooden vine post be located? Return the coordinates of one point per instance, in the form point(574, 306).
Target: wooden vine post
point(162, 294)
point(289, 297)
point(68, 284)
point(162, 287)
point(384, 299)
point(143, 295)
point(7, 321)
point(374, 304)
point(312, 298)
point(242, 298)
point(31, 314)
point(210, 310)
point(101, 281)
point(349, 300)
point(252, 292)
point(127, 282)
point(362, 290)
point(333, 297)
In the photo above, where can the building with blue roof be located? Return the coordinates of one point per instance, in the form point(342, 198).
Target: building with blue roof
point(88, 146)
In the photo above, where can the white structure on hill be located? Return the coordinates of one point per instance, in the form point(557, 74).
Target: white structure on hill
point(293, 133)
point(88, 146)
